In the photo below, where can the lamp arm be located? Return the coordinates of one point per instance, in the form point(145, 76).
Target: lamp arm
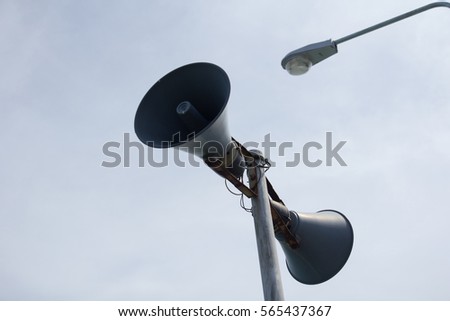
point(393, 20)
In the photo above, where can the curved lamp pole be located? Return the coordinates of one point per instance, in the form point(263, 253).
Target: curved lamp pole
point(299, 61)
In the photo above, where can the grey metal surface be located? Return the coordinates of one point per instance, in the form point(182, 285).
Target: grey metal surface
point(265, 237)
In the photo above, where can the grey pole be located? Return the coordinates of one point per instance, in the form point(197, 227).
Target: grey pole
point(265, 236)
point(393, 20)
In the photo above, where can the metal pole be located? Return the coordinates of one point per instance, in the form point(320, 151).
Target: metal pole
point(393, 20)
point(265, 236)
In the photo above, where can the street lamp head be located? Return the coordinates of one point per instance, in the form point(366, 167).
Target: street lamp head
point(299, 61)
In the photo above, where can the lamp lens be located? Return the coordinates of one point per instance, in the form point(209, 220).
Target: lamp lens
point(298, 65)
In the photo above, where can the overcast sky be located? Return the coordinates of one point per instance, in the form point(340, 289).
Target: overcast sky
point(73, 74)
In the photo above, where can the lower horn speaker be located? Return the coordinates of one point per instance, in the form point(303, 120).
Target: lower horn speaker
point(325, 242)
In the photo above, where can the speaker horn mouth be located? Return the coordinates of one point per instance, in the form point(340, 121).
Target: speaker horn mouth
point(186, 109)
point(204, 85)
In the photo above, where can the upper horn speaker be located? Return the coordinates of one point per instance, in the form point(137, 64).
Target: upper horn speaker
point(186, 109)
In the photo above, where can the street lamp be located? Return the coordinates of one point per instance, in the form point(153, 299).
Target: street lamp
point(299, 61)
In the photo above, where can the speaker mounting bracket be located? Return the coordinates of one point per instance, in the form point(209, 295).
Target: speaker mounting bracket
point(219, 167)
point(279, 224)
